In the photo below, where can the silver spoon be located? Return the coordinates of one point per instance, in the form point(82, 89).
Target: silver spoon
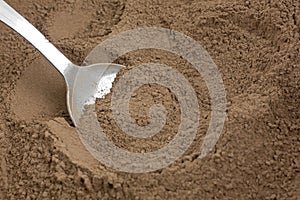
point(84, 84)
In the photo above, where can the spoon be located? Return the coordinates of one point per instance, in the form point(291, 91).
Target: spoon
point(84, 84)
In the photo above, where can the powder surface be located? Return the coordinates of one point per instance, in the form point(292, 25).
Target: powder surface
point(256, 46)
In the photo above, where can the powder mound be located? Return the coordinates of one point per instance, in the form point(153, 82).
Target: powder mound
point(255, 45)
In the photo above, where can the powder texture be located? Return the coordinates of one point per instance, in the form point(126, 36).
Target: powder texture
point(256, 46)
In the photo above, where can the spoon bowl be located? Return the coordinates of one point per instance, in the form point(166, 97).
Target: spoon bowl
point(84, 84)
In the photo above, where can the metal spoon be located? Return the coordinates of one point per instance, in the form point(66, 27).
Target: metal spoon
point(84, 84)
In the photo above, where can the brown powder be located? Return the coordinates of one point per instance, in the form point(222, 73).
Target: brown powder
point(256, 46)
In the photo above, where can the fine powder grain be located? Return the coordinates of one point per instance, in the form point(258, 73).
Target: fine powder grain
point(256, 46)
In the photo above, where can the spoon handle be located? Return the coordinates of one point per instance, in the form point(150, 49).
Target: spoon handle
point(14, 20)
